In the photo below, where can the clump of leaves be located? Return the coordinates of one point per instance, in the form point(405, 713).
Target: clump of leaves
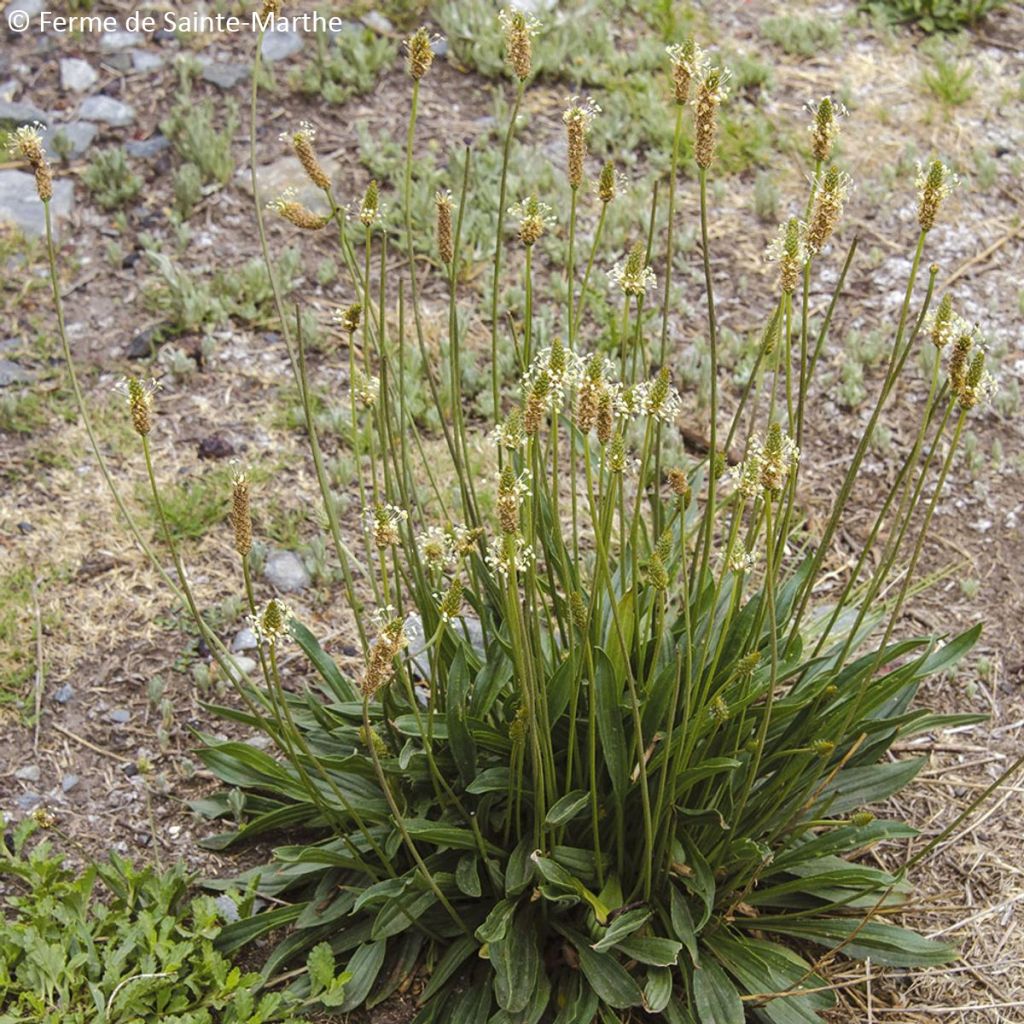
point(935, 15)
point(949, 82)
point(344, 67)
point(202, 136)
point(110, 180)
point(802, 37)
point(117, 944)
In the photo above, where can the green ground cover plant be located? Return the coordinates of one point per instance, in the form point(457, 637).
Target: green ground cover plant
point(118, 944)
point(610, 752)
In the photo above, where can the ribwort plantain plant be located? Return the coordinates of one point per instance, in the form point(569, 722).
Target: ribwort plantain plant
point(608, 755)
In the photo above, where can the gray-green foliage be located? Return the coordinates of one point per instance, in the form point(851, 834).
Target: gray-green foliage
point(202, 135)
point(344, 67)
point(111, 180)
point(116, 944)
point(936, 15)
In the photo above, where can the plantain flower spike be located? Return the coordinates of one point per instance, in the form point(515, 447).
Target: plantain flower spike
point(27, 142)
point(610, 183)
point(942, 323)
point(348, 318)
point(445, 243)
point(271, 8)
point(370, 209)
point(534, 219)
point(633, 277)
point(140, 402)
point(828, 208)
point(578, 120)
point(419, 54)
point(979, 385)
point(688, 64)
point(302, 143)
point(789, 250)
point(450, 605)
point(386, 647)
point(271, 624)
point(824, 128)
point(241, 519)
point(711, 90)
point(958, 361)
point(933, 186)
point(519, 31)
point(286, 206)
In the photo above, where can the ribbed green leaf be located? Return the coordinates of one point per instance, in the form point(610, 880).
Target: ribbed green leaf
point(342, 689)
point(620, 927)
point(887, 945)
point(607, 694)
point(650, 949)
point(715, 995)
point(516, 962)
point(454, 957)
point(682, 924)
point(700, 881)
point(495, 925)
point(364, 966)
point(854, 788)
point(658, 989)
point(608, 978)
point(567, 807)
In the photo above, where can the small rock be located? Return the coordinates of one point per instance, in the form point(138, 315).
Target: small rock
point(14, 115)
point(12, 373)
point(146, 149)
point(111, 42)
point(144, 344)
point(277, 45)
point(8, 90)
point(28, 801)
point(285, 571)
point(378, 23)
point(413, 626)
point(226, 906)
point(28, 773)
point(215, 446)
point(131, 769)
point(26, 528)
point(119, 715)
point(69, 782)
point(64, 693)
point(119, 61)
point(439, 46)
point(143, 61)
point(245, 640)
point(107, 110)
point(260, 742)
point(19, 202)
point(77, 75)
point(226, 76)
point(245, 665)
point(78, 137)
point(30, 7)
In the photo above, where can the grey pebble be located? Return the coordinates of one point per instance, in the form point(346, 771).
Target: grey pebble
point(79, 136)
point(28, 773)
point(225, 76)
point(146, 149)
point(107, 110)
point(285, 571)
point(64, 693)
point(28, 801)
point(19, 201)
point(245, 640)
point(14, 115)
point(378, 23)
point(279, 45)
point(110, 42)
point(143, 61)
point(119, 715)
point(77, 75)
point(12, 373)
point(69, 782)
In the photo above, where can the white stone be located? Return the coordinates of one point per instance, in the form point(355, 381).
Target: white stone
point(107, 110)
point(77, 75)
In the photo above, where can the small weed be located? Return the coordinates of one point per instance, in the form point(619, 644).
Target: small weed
point(112, 183)
point(934, 15)
point(201, 139)
point(801, 37)
point(347, 67)
point(22, 412)
point(188, 189)
point(766, 198)
point(192, 507)
point(950, 83)
point(16, 654)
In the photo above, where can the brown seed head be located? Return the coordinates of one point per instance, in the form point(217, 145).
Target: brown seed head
point(605, 415)
point(688, 63)
point(825, 126)
point(958, 361)
point(445, 243)
point(302, 143)
point(348, 318)
point(241, 519)
point(678, 484)
point(140, 403)
point(577, 120)
point(27, 142)
point(380, 664)
point(295, 213)
point(370, 209)
point(519, 31)
point(933, 186)
point(711, 90)
point(828, 207)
